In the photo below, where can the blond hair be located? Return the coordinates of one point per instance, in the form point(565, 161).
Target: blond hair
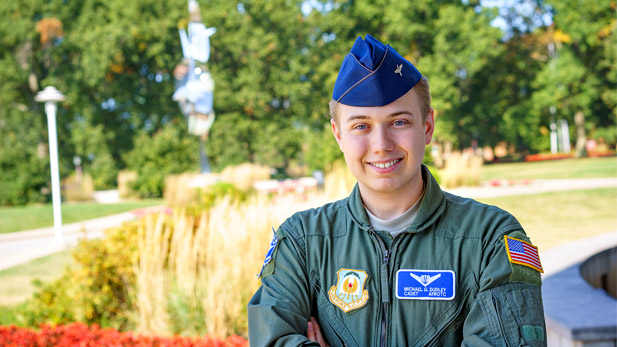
point(422, 89)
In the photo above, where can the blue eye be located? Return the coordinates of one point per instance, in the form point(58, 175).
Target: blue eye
point(399, 122)
point(360, 126)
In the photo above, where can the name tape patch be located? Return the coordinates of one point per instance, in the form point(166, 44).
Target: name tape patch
point(425, 284)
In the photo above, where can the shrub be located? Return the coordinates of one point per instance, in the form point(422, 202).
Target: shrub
point(212, 194)
point(79, 334)
point(179, 193)
point(321, 149)
point(461, 170)
point(178, 190)
point(196, 274)
point(189, 273)
point(170, 151)
point(245, 175)
point(23, 180)
point(24, 155)
point(125, 184)
point(76, 190)
point(96, 290)
point(103, 169)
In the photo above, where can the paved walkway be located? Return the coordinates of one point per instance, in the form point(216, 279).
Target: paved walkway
point(19, 247)
point(561, 257)
point(534, 187)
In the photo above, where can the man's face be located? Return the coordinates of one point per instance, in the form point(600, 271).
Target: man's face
point(384, 146)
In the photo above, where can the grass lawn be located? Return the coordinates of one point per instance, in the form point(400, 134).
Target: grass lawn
point(39, 216)
point(552, 219)
point(552, 169)
point(16, 282)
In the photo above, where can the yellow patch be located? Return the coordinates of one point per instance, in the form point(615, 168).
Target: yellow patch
point(349, 293)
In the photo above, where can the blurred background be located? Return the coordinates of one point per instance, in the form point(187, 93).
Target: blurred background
point(525, 99)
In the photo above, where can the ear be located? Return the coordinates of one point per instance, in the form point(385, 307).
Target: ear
point(429, 126)
point(336, 132)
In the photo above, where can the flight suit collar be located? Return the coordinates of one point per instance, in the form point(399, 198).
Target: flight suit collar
point(431, 207)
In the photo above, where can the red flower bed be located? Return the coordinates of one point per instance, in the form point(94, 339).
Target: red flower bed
point(548, 156)
point(79, 334)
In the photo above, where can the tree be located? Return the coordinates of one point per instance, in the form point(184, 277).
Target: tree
point(580, 80)
point(164, 153)
point(274, 63)
point(113, 70)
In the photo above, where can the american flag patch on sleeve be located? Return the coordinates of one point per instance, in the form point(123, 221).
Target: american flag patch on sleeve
point(523, 253)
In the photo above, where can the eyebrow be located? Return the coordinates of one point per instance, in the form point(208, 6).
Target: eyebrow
point(391, 115)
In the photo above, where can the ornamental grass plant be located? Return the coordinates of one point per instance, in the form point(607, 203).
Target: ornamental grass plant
point(189, 272)
point(461, 169)
point(196, 274)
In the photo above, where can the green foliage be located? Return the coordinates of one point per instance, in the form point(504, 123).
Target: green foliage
point(103, 168)
point(581, 77)
point(112, 59)
point(24, 163)
point(322, 149)
point(262, 81)
point(9, 315)
point(606, 135)
point(187, 315)
point(218, 190)
point(274, 67)
point(95, 290)
point(170, 151)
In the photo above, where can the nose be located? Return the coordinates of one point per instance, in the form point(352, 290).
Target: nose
point(381, 140)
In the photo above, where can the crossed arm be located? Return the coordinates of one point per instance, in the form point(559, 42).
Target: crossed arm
point(313, 333)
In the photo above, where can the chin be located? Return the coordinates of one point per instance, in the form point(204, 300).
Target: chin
point(384, 187)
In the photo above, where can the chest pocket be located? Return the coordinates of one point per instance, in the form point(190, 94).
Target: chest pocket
point(445, 327)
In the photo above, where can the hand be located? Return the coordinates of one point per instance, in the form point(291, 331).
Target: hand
point(314, 333)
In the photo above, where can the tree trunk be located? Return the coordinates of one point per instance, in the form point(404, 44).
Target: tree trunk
point(581, 136)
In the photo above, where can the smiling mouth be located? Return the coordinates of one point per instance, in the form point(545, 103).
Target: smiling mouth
point(386, 164)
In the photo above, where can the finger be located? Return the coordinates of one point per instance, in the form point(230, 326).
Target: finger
point(317, 329)
point(310, 332)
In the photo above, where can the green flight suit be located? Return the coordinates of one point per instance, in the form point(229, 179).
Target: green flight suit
point(496, 302)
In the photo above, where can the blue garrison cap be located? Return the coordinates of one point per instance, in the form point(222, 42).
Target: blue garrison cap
point(373, 74)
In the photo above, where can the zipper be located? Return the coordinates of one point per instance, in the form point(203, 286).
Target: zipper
point(384, 320)
point(385, 282)
point(385, 286)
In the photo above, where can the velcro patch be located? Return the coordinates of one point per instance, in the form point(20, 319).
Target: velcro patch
point(268, 265)
point(523, 253)
point(349, 293)
point(425, 284)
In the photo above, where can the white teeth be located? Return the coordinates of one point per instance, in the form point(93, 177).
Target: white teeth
point(385, 165)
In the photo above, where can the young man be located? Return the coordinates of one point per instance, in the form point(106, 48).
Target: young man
point(399, 262)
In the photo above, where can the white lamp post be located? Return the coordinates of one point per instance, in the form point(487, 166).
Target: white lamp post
point(50, 96)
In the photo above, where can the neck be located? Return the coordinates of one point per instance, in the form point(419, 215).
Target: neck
point(389, 205)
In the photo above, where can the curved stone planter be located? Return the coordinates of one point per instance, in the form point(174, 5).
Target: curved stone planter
point(577, 314)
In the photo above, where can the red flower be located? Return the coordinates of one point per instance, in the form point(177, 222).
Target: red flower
point(79, 334)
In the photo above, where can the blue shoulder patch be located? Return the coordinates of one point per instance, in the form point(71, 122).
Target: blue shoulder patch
point(268, 267)
point(275, 240)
